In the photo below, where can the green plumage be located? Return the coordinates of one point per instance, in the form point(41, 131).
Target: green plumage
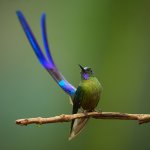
point(91, 90)
point(86, 97)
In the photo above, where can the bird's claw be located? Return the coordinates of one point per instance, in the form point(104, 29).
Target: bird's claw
point(99, 110)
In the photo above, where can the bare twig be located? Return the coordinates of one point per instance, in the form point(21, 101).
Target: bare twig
point(141, 118)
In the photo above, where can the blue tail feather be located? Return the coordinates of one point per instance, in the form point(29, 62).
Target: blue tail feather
point(45, 40)
point(48, 62)
point(32, 40)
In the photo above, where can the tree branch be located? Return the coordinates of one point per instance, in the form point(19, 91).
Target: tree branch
point(141, 118)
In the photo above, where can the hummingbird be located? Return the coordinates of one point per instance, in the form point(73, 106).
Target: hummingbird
point(88, 93)
point(86, 97)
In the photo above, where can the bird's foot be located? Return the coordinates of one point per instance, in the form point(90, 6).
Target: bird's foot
point(85, 113)
point(99, 110)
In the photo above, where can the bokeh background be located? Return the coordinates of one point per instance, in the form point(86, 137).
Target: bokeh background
point(111, 36)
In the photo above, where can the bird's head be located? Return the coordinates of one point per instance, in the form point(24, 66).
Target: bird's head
point(86, 72)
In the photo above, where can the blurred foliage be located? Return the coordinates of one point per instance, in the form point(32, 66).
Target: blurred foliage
point(110, 36)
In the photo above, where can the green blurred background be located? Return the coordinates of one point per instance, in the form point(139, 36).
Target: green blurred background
point(111, 36)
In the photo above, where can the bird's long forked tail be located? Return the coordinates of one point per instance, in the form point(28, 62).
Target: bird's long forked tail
point(78, 126)
point(46, 61)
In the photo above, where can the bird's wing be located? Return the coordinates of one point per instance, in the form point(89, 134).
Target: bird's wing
point(76, 103)
point(77, 99)
point(47, 63)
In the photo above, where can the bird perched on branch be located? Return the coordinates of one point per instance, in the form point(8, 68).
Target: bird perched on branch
point(86, 96)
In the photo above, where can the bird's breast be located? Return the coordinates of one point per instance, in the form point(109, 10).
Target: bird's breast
point(92, 91)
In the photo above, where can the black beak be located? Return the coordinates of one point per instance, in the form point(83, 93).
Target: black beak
point(81, 68)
